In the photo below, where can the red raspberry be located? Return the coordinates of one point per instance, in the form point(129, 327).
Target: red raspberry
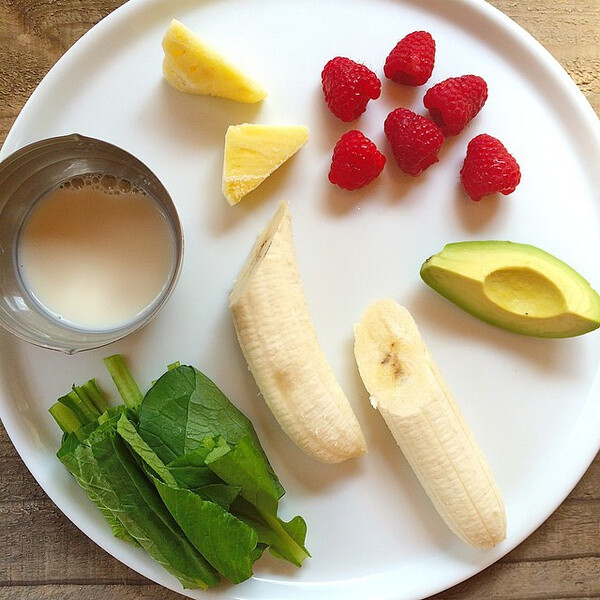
point(348, 86)
point(489, 168)
point(455, 101)
point(355, 162)
point(415, 140)
point(411, 60)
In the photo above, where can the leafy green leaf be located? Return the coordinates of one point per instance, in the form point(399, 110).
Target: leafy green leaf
point(183, 408)
point(105, 468)
point(225, 541)
point(284, 540)
point(219, 493)
point(244, 467)
point(128, 432)
point(190, 471)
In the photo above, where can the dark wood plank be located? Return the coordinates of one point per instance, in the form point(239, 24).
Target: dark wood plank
point(88, 592)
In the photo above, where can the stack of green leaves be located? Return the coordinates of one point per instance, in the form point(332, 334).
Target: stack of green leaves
point(180, 472)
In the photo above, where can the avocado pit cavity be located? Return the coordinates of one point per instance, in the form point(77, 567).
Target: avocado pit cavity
point(524, 291)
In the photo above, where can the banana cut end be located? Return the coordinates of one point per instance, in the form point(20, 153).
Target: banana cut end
point(391, 356)
point(280, 220)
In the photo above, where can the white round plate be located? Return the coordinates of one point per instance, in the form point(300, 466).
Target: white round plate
point(534, 404)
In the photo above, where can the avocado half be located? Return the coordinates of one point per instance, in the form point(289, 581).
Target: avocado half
point(514, 286)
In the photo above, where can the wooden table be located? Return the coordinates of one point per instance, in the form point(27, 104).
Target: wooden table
point(43, 556)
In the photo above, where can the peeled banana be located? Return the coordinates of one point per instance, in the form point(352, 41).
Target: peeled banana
point(279, 342)
point(407, 388)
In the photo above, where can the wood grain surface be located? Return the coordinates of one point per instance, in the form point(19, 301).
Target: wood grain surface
point(43, 556)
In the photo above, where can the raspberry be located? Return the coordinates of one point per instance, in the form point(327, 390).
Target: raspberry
point(489, 168)
point(411, 60)
point(348, 86)
point(453, 102)
point(355, 162)
point(415, 140)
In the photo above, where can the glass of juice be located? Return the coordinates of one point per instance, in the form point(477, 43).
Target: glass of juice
point(91, 245)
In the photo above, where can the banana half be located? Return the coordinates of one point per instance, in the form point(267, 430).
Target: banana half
point(279, 342)
point(407, 388)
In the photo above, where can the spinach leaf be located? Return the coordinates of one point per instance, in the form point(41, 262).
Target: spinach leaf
point(104, 467)
point(284, 540)
point(225, 541)
point(189, 469)
point(244, 467)
point(183, 408)
point(128, 432)
point(68, 456)
point(219, 493)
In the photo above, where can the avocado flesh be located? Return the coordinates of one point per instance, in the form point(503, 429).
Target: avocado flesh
point(514, 286)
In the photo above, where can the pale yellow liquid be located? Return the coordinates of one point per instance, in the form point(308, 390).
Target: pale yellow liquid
point(95, 255)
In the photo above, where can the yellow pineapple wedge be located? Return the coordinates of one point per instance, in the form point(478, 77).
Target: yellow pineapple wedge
point(253, 152)
point(190, 65)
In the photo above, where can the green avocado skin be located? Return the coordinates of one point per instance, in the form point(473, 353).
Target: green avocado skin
point(514, 286)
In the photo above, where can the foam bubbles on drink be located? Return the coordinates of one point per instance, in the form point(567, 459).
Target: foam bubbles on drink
point(109, 184)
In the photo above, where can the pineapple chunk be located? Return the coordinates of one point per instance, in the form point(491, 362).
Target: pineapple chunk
point(253, 152)
point(190, 65)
